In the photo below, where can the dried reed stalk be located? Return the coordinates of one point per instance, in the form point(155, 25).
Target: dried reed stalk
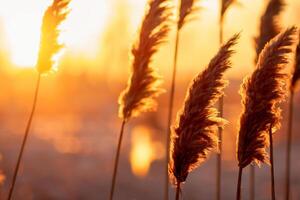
point(49, 48)
point(144, 83)
point(187, 10)
point(269, 28)
point(262, 92)
point(194, 135)
point(225, 4)
point(294, 80)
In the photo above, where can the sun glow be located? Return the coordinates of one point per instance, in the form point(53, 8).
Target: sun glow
point(22, 21)
point(144, 151)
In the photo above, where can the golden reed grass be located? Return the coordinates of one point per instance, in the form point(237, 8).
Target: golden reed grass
point(269, 28)
point(144, 82)
point(49, 48)
point(294, 80)
point(261, 93)
point(187, 11)
point(225, 5)
point(194, 135)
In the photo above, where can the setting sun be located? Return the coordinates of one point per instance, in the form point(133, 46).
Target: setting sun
point(22, 29)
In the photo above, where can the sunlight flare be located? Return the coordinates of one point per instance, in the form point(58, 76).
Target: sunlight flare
point(144, 151)
point(22, 26)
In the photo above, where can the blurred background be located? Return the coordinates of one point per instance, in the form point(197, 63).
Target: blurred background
point(73, 140)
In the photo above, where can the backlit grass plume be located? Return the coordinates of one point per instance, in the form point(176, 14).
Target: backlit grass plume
point(144, 83)
point(262, 92)
point(186, 12)
point(49, 47)
point(194, 133)
point(269, 26)
point(294, 80)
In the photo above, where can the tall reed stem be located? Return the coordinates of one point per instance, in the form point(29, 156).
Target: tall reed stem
point(289, 144)
point(113, 182)
point(170, 114)
point(252, 182)
point(28, 126)
point(220, 135)
point(239, 184)
point(177, 197)
point(272, 164)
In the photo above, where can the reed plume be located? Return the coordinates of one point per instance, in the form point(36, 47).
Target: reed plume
point(225, 4)
point(294, 80)
point(49, 48)
point(194, 135)
point(269, 28)
point(187, 10)
point(144, 83)
point(262, 93)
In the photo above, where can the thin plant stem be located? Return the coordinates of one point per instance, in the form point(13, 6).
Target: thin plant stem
point(177, 197)
point(114, 177)
point(252, 182)
point(239, 184)
point(170, 114)
point(220, 135)
point(289, 145)
point(272, 164)
point(28, 126)
point(221, 29)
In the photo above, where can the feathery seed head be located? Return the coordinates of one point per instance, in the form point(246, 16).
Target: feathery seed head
point(194, 132)
point(269, 27)
point(144, 83)
point(261, 93)
point(49, 45)
point(186, 11)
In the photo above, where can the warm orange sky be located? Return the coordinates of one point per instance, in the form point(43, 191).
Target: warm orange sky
point(87, 24)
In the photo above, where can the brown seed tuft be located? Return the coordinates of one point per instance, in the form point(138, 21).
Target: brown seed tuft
point(143, 85)
point(194, 132)
point(262, 92)
point(49, 45)
point(225, 5)
point(269, 27)
point(186, 11)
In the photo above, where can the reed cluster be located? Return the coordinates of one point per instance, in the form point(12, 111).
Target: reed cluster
point(262, 92)
point(197, 131)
